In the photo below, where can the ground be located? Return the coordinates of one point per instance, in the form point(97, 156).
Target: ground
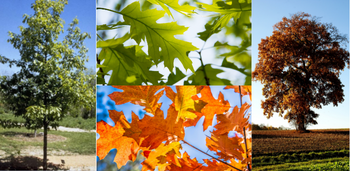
point(31, 157)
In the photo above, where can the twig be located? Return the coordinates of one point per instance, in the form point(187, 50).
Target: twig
point(246, 149)
point(205, 73)
point(210, 155)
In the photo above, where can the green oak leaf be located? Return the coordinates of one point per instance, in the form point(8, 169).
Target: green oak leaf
point(227, 10)
point(183, 9)
point(160, 37)
point(129, 65)
point(199, 77)
point(228, 64)
point(208, 32)
point(174, 78)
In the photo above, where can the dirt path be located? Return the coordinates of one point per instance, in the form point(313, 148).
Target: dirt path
point(79, 162)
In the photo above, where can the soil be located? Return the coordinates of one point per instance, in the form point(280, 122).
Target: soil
point(266, 142)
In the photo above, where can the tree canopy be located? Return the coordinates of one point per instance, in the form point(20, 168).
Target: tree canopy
point(51, 76)
point(299, 65)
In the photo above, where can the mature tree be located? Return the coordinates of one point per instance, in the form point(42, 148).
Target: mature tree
point(51, 76)
point(299, 65)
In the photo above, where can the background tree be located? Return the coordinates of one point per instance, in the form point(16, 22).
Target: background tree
point(299, 65)
point(52, 76)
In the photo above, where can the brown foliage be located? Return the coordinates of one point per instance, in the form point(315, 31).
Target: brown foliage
point(299, 66)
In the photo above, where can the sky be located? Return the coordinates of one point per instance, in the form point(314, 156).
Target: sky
point(193, 135)
point(267, 13)
point(11, 17)
point(195, 24)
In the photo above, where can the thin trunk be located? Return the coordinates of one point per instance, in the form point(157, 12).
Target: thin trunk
point(45, 144)
point(35, 133)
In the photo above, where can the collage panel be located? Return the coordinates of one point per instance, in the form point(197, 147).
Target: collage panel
point(47, 85)
point(300, 85)
point(174, 42)
point(174, 128)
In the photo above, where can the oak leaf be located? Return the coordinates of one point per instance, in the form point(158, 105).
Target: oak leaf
point(213, 106)
point(182, 100)
point(146, 96)
point(158, 156)
point(234, 121)
point(112, 137)
point(225, 147)
point(245, 90)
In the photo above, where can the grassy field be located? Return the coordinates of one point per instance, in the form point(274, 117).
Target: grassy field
point(15, 140)
point(326, 149)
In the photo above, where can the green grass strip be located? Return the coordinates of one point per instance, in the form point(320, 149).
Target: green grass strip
point(336, 164)
point(297, 157)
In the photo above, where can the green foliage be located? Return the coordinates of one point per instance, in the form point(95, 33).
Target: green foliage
point(11, 121)
point(51, 76)
point(297, 157)
point(127, 64)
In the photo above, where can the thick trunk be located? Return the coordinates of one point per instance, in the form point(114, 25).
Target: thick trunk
point(45, 144)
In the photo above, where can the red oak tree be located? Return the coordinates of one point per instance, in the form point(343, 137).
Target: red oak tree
point(299, 65)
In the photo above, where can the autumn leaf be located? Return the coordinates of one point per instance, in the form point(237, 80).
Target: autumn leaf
point(156, 129)
point(159, 137)
point(245, 90)
point(183, 101)
point(234, 121)
point(141, 95)
point(213, 106)
point(158, 156)
point(112, 137)
point(225, 147)
point(186, 164)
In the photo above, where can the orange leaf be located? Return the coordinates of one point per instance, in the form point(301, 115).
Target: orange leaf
point(213, 106)
point(232, 121)
point(182, 100)
point(141, 95)
point(245, 90)
point(112, 137)
point(158, 156)
point(157, 129)
point(225, 147)
point(186, 164)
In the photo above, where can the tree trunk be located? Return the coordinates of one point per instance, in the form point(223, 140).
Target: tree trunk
point(301, 123)
point(35, 133)
point(45, 144)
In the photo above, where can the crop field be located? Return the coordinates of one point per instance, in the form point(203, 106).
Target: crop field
point(290, 150)
point(269, 142)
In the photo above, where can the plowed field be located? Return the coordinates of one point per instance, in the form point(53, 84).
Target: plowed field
point(271, 142)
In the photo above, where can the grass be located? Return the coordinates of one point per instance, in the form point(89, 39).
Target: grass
point(297, 157)
point(339, 164)
point(77, 142)
point(68, 121)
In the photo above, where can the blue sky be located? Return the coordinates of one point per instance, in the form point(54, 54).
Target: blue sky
point(11, 17)
point(193, 135)
point(267, 13)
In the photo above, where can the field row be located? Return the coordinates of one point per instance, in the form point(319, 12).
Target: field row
point(271, 142)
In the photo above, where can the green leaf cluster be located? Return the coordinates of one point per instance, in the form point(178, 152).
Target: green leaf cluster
point(123, 64)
